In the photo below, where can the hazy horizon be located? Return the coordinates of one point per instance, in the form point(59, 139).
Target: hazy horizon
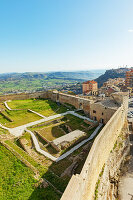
point(52, 71)
point(65, 35)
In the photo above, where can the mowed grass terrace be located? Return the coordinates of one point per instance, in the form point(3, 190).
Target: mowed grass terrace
point(22, 116)
point(19, 117)
point(55, 130)
point(3, 131)
point(44, 107)
point(17, 181)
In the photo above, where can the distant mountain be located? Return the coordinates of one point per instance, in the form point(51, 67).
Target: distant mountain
point(112, 73)
point(77, 75)
point(80, 75)
point(39, 81)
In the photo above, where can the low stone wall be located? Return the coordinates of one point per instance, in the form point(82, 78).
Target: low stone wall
point(82, 187)
point(43, 138)
point(47, 141)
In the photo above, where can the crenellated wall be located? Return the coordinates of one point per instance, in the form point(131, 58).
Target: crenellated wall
point(82, 186)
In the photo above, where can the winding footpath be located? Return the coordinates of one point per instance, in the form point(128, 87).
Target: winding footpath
point(38, 149)
point(18, 131)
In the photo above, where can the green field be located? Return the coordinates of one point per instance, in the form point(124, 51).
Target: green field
point(17, 181)
point(19, 117)
point(3, 131)
point(44, 107)
point(23, 116)
point(53, 131)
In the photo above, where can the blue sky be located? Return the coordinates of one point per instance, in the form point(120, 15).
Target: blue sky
point(54, 35)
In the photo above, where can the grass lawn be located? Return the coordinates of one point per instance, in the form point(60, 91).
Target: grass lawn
point(17, 181)
point(19, 117)
point(2, 106)
point(51, 133)
point(44, 107)
point(75, 123)
point(45, 171)
point(3, 131)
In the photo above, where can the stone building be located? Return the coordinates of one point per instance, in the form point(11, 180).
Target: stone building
point(100, 174)
point(90, 87)
point(129, 78)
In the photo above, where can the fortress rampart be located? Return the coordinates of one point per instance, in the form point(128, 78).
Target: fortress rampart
point(77, 102)
point(82, 186)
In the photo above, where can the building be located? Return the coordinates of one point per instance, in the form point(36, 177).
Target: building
point(129, 78)
point(90, 87)
point(114, 82)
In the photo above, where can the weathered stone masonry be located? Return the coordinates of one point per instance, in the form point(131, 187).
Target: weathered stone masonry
point(82, 186)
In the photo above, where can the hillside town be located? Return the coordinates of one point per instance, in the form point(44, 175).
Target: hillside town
point(90, 88)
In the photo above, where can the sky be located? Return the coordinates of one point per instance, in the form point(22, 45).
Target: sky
point(65, 35)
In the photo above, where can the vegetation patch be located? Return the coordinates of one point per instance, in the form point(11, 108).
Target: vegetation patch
point(17, 181)
point(19, 117)
point(3, 131)
point(44, 107)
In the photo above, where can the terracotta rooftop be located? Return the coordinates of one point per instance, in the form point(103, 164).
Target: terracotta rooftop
point(92, 82)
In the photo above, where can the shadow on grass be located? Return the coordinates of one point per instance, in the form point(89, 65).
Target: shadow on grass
point(53, 176)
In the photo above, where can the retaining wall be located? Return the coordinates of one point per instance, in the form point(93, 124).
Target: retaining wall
point(82, 187)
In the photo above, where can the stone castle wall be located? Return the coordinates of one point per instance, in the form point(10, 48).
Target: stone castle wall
point(23, 96)
point(82, 186)
point(77, 102)
point(108, 181)
point(101, 112)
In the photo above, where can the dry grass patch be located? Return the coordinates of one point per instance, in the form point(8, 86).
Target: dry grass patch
point(51, 133)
